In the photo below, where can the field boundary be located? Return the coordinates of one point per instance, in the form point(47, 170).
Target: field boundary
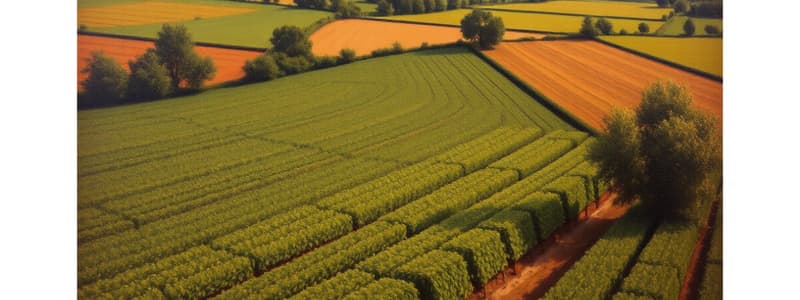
point(568, 14)
point(146, 39)
point(663, 61)
point(455, 26)
point(537, 95)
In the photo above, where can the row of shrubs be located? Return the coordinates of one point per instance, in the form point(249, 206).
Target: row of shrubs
point(591, 28)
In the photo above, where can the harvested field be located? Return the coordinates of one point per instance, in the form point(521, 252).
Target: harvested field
point(363, 36)
point(590, 8)
point(152, 12)
point(525, 21)
point(704, 54)
point(588, 78)
point(229, 62)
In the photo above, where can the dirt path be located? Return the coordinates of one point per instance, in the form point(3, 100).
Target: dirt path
point(691, 284)
point(538, 270)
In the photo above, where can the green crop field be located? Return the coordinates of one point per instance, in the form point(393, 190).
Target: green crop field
point(423, 154)
point(674, 27)
point(590, 8)
point(251, 29)
point(704, 54)
point(524, 21)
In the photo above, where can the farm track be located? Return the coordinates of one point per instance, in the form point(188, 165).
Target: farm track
point(539, 269)
point(588, 78)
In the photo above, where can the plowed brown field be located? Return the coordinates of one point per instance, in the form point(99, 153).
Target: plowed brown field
point(588, 78)
point(363, 36)
point(229, 62)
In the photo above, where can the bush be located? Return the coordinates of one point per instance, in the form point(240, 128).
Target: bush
point(346, 56)
point(290, 40)
point(318, 4)
point(261, 68)
point(644, 28)
point(515, 228)
point(663, 3)
point(175, 50)
point(604, 26)
point(197, 70)
point(711, 29)
point(483, 252)
point(587, 28)
point(438, 275)
point(322, 62)
point(107, 80)
point(292, 64)
point(623, 32)
point(546, 211)
point(385, 8)
point(707, 9)
point(149, 79)
point(681, 6)
point(688, 27)
point(348, 10)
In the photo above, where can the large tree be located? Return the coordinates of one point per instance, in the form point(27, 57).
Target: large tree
point(665, 153)
point(290, 40)
point(106, 82)
point(175, 49)
point(481, 27)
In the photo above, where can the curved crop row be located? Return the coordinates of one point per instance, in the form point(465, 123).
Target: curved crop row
point(480, 152)
point(536, 155)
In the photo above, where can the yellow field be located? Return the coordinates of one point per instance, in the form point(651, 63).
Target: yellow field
point(704, 54)
point(525, 21)
point(151, 12)
point(590, 8)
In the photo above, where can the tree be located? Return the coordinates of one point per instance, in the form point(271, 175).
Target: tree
point(347, 56)
point(149, 79)
point(681, 6)
point(665, 153)
point(385, 8)
point(290, 40)
point(604, 26)
point(430, 5)
point(175, 50)
point(106, 82)
point(644, 28)
point(623, 31)
point(261, 68)
point(587, 28)
point(440, 5)
point(453, 4)
point(292, 64)
point(688, 27)
point(335, 4)
point(417, 6)
point(661, 3)
point(711, 29)
point(348, 10)
point(480, 26)
point(318, 4)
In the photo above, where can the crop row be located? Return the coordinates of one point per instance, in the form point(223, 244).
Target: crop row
point(324, 262)
point(536, 155)
point(574, 193)
point(94, 223)
point(386, 288)
point(661, 267)
point(191, 274)
point(486, 149)
point(268, 242)
point(711, 285)
point(337, 287)
point(602, 267)
point(107, 256)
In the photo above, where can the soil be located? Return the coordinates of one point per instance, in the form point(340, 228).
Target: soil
point(363, 36)
point(694, 276)
point(229, 62)
point(588, 78)
point(543, 266)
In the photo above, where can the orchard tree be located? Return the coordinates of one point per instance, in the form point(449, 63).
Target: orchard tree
point(480, 26)
point(644, 28)
point(106, 82)
point(688, 27)
point(175, 50)
point(149, 79)
point(666, 153)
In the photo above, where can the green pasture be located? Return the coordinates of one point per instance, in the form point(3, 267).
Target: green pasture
point(674, 27)
point(704, 54)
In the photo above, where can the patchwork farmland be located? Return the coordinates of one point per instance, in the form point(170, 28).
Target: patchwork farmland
point(444, 171)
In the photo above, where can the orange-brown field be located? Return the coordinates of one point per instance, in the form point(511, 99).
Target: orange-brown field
point(363, 36)
point(229, 62)
point(588, 78)
point(151, 12)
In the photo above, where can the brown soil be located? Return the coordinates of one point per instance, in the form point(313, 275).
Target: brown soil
point(229, 62)
point(543, 266)
point(588, 78)
point(694, 276)
point(363, 36)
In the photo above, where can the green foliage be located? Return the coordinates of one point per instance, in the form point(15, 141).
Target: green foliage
point(175, 50)
point(318, 4)
point(711, 29)
point(336, 287)
point(148, 79)
point(707, 9)
point(94, 223)
point(630, 296)
point(385, 8)
point(385, 263)
point(681, 6)
point(604, 26)
point(688, 27)
point(617, 154)
point(386, 289)
point(197, 70)
point(438, 275)
point(440, 5)
point(516, 229)
point(482, 250)
point(261, 68)
point(292, 64)
point(546, 211)
point(482, 151)
point(290, 40)
point(711, 286)
point(348, 10)
point(660, 282)
point(106, 82)
point(672, 245)
point(481, 27)
point(644, 28)
point(322, 62)
point(417, 6)
point(538, 154)
point(587, 28)
point(346, 56)
point(573, 192)
point(663, 3)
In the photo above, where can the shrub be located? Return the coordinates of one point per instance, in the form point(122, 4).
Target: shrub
point(347, 56)
point(440, 5)
point(587, 28)
point(385, 8)
point(290, 40)
point(292, 64)
point(681, 6)
point(107, 80)
point(604, 26)
point(322, 62)
point(546, 212)
point(348, 10)
point(688, 27)
point(711, 29)
point(149, 79)
point(623, 32)
point(438, 275)
point(261, 68)
point(644, 28)
point(483, 252)
point(197, 70)
point(515, 228)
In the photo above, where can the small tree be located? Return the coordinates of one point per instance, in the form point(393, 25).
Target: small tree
point(711, 29)
point(644, 28)
point(663, 3)
point(623, 31)
point(292, 64)
point(688, 27)
point(261, 68)
point(604, 26)
point(385, 8)
point(480, 26)
point(430, 5)
point(348, 10)
point(318, 4)
point(440, 5)
point(175, 50)
point(587, 28)
point(347, 56)
point(106, 82)
point(681, 6)
point(290, 40)
point(149, 79)
point(197, 70)
point(417, 6)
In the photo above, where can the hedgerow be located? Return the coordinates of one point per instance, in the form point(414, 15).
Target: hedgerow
point(546, 211)
point(482, 250)
point(535, 155)
point(573, 192)
point(437, 275)
point(660, 282)
point(336, 287)
point(482, 151)
point(386, 289)
point(515, 228)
